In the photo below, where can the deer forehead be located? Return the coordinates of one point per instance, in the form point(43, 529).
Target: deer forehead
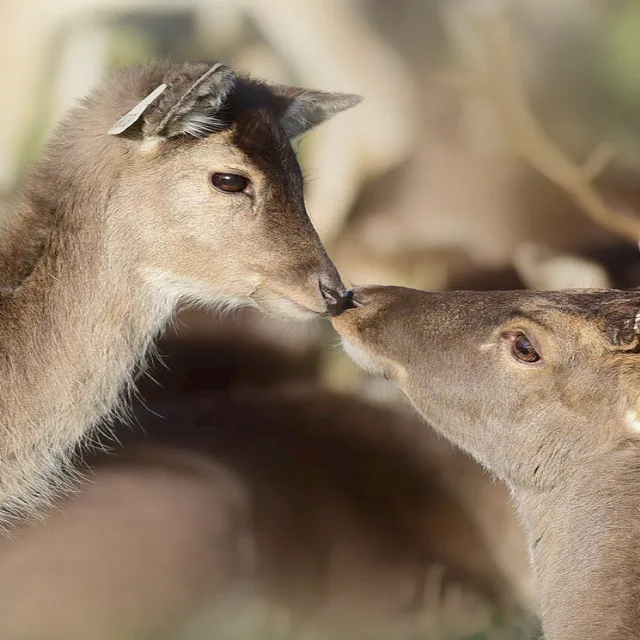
point(217, 153)
point(149, 145)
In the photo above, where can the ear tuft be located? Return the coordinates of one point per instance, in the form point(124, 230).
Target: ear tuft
point(308, 109)
point(196, 112)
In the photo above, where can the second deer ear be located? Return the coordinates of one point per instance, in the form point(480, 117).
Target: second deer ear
point(304, 109)
point(181, 106)
point(195, 112)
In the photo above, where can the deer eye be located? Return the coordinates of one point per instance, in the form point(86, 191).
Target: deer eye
point(522, 348)
point(230, 182)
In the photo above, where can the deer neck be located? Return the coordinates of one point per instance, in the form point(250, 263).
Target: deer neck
point(71, 332)
point(584, 540)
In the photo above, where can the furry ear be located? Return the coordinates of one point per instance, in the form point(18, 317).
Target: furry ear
point(195, 112)
point(180, 106)
point(304, 109)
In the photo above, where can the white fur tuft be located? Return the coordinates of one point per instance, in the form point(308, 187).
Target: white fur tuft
point(633, 422)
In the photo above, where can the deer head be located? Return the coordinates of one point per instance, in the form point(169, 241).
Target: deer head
point(543, 389)
point(170, 184)
point(208, 183)
point(532, 384)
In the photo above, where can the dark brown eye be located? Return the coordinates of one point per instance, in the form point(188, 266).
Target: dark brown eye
point(229, 182)
point(522, 348)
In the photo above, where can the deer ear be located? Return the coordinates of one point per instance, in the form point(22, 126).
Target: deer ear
point(304, 109)
point(195, 112)
point(180, 107)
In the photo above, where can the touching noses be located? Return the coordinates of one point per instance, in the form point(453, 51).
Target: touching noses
point(337, 301)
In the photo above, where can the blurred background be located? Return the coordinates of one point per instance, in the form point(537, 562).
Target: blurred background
point(498, 147)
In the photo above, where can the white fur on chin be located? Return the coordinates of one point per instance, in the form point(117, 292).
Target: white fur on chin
point(361, 357)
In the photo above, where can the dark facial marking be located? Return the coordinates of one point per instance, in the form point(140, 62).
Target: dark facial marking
point(257, 132)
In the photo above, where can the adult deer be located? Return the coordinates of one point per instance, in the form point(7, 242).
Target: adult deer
point(541, 388)
point(172, 183)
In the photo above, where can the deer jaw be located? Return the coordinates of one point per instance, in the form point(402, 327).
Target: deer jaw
point(561, 429)
point(113, 232)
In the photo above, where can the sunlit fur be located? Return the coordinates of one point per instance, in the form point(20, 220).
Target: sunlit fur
point(112, 233)
point(562, 431)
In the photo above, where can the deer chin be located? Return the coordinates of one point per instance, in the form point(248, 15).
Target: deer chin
point(275, 303)
point(364, 360)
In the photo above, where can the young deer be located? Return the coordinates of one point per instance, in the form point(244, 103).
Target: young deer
point(171, 183)
point(541, 388)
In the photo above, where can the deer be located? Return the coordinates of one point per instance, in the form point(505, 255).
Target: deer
point(169, 185)
point(269, 504)
point(542, 389)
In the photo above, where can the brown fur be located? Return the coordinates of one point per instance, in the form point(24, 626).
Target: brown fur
point(112, 233)
point(562, 432)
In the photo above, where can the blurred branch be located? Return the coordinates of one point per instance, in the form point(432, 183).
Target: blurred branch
point(502, 81)
point(545, 269)
point(597, 161)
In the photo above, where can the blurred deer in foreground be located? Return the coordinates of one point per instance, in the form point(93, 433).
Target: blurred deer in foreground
point(195, 197)
point(542, 389)
point(287, 511)
point(260, 508)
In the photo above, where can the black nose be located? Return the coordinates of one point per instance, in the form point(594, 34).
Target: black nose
point(337, 302)
point(330, 295)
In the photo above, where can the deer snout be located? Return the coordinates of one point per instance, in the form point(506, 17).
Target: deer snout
point(360, 311)
point(370, 322)
point(348, 315)
point(360, 300)
point(331, 289)
point(303, 293)
point(372, 314)
point(337, 300)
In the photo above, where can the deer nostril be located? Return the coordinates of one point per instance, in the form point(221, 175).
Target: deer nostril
point(357, 298)
point(331, 296)
point(337, 303)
